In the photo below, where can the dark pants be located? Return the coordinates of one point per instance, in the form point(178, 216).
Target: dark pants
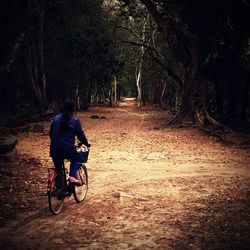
point(74, 162)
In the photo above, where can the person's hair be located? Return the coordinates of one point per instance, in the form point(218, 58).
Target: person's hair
point(68, 110)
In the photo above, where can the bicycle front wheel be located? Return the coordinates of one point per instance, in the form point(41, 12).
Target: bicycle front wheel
point(56, 195)
point(80, 191)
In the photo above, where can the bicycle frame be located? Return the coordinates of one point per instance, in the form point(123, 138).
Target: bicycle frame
point(52, 172)
point(59, 187)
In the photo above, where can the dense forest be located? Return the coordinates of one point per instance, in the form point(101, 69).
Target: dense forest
point(188, 57)
point(162, 92)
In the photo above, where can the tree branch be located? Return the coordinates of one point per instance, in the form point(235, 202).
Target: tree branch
point(131, 31)
point(159, 59)
point(172, 29)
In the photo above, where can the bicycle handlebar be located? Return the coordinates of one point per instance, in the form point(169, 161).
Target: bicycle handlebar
point(84, 147)
point(80, 144)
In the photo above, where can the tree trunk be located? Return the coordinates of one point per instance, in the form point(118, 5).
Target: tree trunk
point(11, 54)
point(110, 96)
point(89, 94)
point(115, 88)
point(31, 66)
point(41, 68)
point(14, 37)
point(139, 87)
point(218, 97)
point(193, 107)
point(35, 59)
point(162, 94)
point(77, 97)
point(245, 100)
point(191, 96)
point(140, 98)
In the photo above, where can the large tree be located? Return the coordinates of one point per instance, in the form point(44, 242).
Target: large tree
point(54, 49)
point(193, 31)
point(35, 52)
point(23, 21)
point(80, 54)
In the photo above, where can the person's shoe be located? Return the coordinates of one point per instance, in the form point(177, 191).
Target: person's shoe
point(74, 180)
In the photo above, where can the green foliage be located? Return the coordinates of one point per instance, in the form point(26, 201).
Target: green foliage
point(218, 32)
point(87, 43)
point(80, 53)
point(132, 15)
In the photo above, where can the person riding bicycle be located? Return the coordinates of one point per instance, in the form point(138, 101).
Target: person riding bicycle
point(63, 130)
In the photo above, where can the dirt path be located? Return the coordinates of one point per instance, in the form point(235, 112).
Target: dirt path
point(151, 187)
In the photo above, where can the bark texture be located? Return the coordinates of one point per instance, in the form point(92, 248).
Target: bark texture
point(187, 50)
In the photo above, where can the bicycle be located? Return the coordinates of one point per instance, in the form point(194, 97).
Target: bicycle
point(59, 186)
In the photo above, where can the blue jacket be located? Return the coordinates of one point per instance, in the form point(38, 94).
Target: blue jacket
point(62, 145)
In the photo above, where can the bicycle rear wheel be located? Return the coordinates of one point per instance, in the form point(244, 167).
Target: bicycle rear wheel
point(80, 191)
point(56, 195)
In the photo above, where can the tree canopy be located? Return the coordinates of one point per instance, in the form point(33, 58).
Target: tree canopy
point(191, 57)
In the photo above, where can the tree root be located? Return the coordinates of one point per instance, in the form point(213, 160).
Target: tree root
point(200, 119)
point(181, 120)
point(205, 123)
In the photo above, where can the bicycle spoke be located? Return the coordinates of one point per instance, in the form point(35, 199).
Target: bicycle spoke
point(80, 191)
point(56, 195)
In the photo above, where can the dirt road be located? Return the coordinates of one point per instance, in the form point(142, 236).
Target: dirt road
point(151, 187)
